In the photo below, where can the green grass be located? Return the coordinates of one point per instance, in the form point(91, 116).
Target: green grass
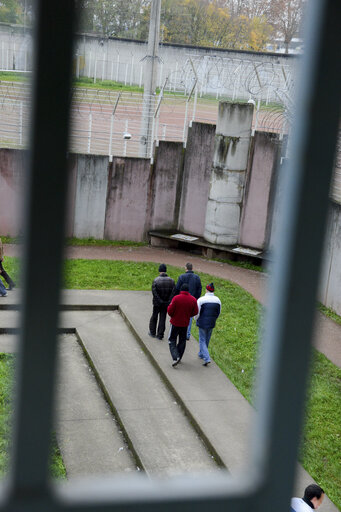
point(104, 84)
point(321, 447)
point(330, 313)
point(234, 348)
point(7, 361)
point(12, 76)
point(83, 242)
point(101, 243)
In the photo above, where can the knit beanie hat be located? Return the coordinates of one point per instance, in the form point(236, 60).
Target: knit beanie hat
point(162, 268)
point(210, 287)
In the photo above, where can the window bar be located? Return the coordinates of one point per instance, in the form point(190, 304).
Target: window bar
point(286, 348)
point(44, 235)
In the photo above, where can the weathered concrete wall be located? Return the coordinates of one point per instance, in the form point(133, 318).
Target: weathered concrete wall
point(12, 165)
point(166, 185)
point(330, 281)
point(91, 193)
point(259, 191)
point(230, 159)
point(196, 178)
point(127, 202)
point(71, 194)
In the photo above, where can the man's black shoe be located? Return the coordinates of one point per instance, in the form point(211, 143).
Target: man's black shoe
point(159, 337)
point(207, 363)
point(176, 362)
point(151, 335)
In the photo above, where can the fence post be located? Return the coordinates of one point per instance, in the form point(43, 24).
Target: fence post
point(125, 140)
point(95, 71)
point(20, 123)
point(103, 64)
point(117, 66)
point(112, 125)
point(126, 74)
point(184, 139)
point(195, 102)
point(89, 132)
point(141, 72)
point(77, 65)
point(257, 115)
point(131, 70)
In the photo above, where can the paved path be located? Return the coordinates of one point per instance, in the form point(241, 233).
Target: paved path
point(327, 337)
point(161, 419)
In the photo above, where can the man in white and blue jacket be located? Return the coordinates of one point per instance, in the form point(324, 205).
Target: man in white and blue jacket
point(209, 309)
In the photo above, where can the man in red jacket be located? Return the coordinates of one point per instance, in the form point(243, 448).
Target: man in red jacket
point(181, 309)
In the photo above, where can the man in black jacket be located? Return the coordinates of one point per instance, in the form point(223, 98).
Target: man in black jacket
point(163, 289)
point(194, 286)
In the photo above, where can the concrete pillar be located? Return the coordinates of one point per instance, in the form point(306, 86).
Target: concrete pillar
point(230, 157)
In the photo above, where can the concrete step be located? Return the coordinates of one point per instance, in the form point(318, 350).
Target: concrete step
point(90, 440)
point(158, 432)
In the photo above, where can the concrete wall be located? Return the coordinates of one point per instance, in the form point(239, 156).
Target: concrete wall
point(330, 280)
point(126, 198)
point(12, 164)
point(196, 178)
point(127, 201)
point(259, 191)
point(91, 193)
point(166, 185)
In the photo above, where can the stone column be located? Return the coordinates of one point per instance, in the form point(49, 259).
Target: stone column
point(231, 151)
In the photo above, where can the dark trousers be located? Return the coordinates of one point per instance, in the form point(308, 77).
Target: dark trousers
point(7, 278)
point(159, 313)
point(177, 349)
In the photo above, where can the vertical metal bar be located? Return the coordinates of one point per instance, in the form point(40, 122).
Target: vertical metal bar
point(287, 342)
point(125, 140)
point(103, 64)
point(112, 124)
point(131, 70)
point(117, 67)
point(44, 232)
point(20, 123)
point(89, 66)
point(89, 132)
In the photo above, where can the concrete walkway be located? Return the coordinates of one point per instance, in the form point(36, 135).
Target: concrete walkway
point(327, 338)
point(156, 418)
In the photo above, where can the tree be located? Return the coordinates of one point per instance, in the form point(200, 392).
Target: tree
point(119, 18)
point(9, 11)
point(286, 17)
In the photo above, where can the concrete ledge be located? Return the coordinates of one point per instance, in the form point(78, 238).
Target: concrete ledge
point(203, 247)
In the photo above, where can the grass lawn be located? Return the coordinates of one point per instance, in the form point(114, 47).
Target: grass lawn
point(57, 467)
point(233, 347)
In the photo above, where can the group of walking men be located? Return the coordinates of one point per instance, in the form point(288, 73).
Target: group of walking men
point(183, 302)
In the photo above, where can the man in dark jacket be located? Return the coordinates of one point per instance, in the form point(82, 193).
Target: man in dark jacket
point(194, 287)
point(209, 307)
point(181, 309)
point(163, 289)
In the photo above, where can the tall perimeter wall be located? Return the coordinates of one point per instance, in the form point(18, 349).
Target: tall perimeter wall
point(122, 60)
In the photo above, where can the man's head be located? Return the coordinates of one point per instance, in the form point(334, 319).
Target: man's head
point(189, 266)
point(315, 494)
point(162, 268)
point(184, 288)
